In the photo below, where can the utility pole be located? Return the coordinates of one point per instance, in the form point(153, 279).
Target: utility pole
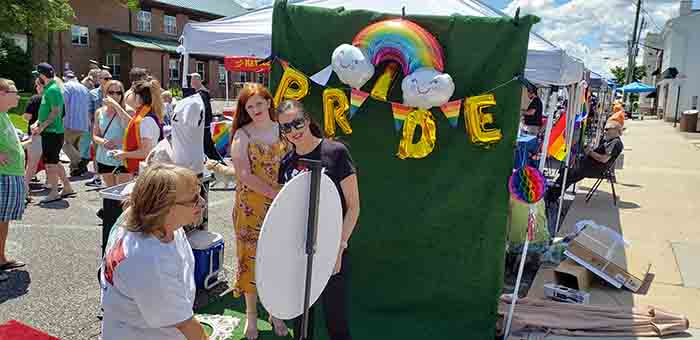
point(631, 50)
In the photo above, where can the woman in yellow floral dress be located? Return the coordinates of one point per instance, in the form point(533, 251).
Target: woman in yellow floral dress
point(256, 151)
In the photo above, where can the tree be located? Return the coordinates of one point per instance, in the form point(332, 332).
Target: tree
point(36, 17)
point(15, 64)
point(620, 74)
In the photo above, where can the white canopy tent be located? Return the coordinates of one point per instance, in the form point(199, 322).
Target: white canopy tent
point(251, 35)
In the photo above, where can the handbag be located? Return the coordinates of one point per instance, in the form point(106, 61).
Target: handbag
point(93, 150)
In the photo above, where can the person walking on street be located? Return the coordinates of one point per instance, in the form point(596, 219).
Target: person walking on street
point(96, 96)
point(50, 126)
point(11, 172)
point(209, 147)
point(76, 122)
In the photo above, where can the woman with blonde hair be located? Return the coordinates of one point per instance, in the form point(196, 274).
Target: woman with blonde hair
point(108, 133)
point(145, 129)
point(147, 274)
point(256, 151)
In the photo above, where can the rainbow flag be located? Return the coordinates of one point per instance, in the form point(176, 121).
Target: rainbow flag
point(557, 142)
point(357, 98)
point(451, 111)
point(221, 135)
point(400, 113)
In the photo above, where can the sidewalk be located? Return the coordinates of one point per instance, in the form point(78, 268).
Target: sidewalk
point(658, 212)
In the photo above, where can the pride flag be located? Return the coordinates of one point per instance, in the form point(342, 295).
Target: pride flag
point(221, 135)
point(557, 142)
point(357, 98)
point(400, 113)
point(451, 111)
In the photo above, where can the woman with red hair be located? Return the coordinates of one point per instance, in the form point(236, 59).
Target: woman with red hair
point(256, 151)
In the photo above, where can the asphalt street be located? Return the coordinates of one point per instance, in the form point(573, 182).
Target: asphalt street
point(57, 292)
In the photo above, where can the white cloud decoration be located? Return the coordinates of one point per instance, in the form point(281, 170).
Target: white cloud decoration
point(426, 88)
point(352, 65)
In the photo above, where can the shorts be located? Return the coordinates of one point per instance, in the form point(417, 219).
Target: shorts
point(108, 169)
point(51, 144)
point(12, 199)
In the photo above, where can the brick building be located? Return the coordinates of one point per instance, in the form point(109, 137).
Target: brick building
point(121, 39)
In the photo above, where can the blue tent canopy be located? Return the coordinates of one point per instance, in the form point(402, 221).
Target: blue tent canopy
point(637, 87)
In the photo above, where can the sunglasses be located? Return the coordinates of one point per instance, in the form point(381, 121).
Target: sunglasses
point(298, 124)
point(115, 92)
point(10, 92)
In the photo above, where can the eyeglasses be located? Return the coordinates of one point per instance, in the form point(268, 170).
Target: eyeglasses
point(298, 124)
point(10, 92)
point(106, 79)
point(115, 92)
point(193, 203)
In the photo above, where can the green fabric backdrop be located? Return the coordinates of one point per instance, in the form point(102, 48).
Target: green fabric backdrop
point(427, 255)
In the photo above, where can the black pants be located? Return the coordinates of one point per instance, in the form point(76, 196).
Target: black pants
point(209, 147)
point(587, 169)
point(335, 302)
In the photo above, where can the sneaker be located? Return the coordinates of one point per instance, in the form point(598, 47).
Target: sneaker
point(35, 180)
point(96, 182)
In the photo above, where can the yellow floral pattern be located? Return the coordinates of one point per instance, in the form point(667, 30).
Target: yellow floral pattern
point(251, 208)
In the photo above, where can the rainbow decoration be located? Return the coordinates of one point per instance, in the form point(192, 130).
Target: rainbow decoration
point(357, 98)
point(221, 135)
point(527, 185)
point(451, 111)
point(400, 113)
point(401, 41)
point(557, 142)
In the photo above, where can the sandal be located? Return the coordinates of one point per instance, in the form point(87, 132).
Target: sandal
point(50, 199)
point(9, 265)
point(69, 194)
point(282, 330)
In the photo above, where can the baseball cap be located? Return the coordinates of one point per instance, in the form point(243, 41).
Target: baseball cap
point(45, 69)
point(69, 74)
point(195, 75)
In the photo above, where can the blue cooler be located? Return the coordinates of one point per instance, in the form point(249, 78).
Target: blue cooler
point(208, 250)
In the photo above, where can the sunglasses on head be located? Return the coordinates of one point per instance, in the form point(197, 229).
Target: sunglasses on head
point(298, 124)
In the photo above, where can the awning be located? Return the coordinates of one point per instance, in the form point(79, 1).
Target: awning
point(148, 43)
point(637, 87)
point(669, 73)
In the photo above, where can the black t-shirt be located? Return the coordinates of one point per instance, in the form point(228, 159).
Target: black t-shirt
point(33, 108)
point(536, 119)
point(612, 147)
point(335, 160)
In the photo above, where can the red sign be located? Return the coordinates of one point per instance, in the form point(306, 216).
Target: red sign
point(246, 64)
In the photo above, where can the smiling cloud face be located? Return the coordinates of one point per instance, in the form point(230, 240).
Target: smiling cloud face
point(351, 65)
point(426, 88)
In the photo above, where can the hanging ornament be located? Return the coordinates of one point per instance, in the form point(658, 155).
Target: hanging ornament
point(451, 111)
point(527, 184)
point(400, 112)
point(335, 106)
point(426, 144)
point(357, 98)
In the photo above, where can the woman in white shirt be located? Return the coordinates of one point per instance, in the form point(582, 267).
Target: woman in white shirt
point(147, 278)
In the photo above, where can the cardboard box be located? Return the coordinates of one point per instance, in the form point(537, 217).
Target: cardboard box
point(566, 294)
point(572, 275)
point(603, 252)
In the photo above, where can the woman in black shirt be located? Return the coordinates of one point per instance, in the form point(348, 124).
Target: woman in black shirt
point(304, 134)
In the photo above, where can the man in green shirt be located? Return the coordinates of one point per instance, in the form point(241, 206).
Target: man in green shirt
point(50, 127)
point(12, 190)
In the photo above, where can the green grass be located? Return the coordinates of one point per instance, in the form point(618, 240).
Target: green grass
point(231, 306)
point(23, 100)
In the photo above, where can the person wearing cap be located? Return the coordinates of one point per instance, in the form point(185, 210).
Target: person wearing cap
point(76, 122)
point(50, 126)
point(596, 162)
point(209, 147)
point(11, 172)
point(91, 80)
point(532, 117)
point(135, 75)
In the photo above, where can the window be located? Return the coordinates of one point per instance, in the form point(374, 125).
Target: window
point(112, 61)
point(222, 73)
point(261, 78)
point(80, 35)
point(247, 77)
point(694, 103)
point(173, 66)
point(200, 67)
point(170, 25)
point(143, 21)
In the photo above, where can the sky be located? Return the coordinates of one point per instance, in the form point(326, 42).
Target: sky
point(595, 31)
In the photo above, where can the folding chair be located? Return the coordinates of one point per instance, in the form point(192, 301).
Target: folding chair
point(608, 174)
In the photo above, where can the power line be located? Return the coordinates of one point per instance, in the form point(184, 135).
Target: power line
point(649, 16)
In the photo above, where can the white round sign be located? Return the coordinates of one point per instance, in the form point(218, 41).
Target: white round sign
point(280, 267)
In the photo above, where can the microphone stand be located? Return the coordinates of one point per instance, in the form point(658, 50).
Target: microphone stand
point(312, 226)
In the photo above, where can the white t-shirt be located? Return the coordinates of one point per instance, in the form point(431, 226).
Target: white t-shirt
point(147, 286)
point(187, 134)
point(149, 129)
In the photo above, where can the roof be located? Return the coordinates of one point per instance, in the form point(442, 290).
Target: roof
point(148, 43)
point(224, 8)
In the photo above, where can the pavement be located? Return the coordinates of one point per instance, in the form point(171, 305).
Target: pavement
point(657, 213)
point(57, 292)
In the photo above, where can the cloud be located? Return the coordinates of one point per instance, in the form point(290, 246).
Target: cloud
point(595, 31)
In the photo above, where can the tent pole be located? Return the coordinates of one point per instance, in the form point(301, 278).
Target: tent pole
point(547, 131)
point(226, 79)
point(570, 119)
point(185, 68)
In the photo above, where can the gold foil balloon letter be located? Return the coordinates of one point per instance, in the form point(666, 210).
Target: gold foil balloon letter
point(383, 84)
point(476, 120)
point(426, 144)
point(293, 85)
point(335, 108)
